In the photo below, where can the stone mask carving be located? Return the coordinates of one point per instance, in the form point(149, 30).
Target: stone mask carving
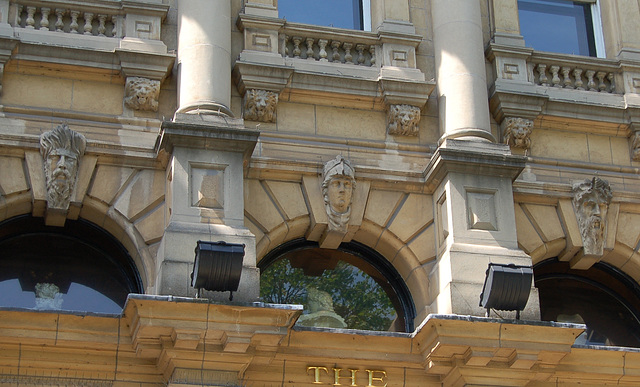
point(142, 94)
point(260, 105)
point(61, 149)
point(591, 200)
point(517, 132)
point(337, 190)
point(403, 120)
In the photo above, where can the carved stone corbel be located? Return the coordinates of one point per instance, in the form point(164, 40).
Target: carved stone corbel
point(260, 105)
point(517, 132)
point(591, 199)
point(403, 120)
point(142, 93)
point(61, 149)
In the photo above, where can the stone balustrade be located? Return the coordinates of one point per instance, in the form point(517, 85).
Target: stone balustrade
point(576, 76)
point(64, 17)
point(328, 46)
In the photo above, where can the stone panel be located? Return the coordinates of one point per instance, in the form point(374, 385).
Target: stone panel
point(599, 149)
point(12, 178)
point(547, 143)
point(545, 219)
point(85, 99)
point(423, 245)
point(151, 227)
point(109, 181)
point(52, 93)
point(145, 191)
point(289, 198)
point(416, 212)
point(628, 233)
point(528, 238)
point(295, 117)
point(350, 123)
point(261, 208)
point(381, 206)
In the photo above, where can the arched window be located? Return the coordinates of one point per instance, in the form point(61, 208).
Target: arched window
point(78, 267)
point(351, 287)
point(603, 298)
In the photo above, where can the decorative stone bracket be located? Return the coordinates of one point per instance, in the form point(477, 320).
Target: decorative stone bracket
point(403, 120)
point(142, 93)
point(635, 146)
point(260, 105)
point(517, 132)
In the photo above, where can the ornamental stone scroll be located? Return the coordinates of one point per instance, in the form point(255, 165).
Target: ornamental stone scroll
point(260, 105)
point(403, 120)
point(142, 94)
point(517, 132)
point(61, 149)
point(591, 199)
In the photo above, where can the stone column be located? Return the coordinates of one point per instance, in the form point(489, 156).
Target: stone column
point(460, 68)
point(204, 56)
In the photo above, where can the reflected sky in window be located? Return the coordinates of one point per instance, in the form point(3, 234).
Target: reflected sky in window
point(328, 13)
point(557, 26)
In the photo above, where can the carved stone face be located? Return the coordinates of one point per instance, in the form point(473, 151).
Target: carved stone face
point(518, 132)
point(142, 93)
point(340, 190)
point(60, 167)
point(404, 120)
point(591, 201)
point(260, 105)
point(61, 149)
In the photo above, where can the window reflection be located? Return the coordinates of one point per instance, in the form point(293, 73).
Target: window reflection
point(557, 26)
point(329, 13)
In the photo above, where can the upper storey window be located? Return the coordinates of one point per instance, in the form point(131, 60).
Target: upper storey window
point(351, 14)
point(567, 27)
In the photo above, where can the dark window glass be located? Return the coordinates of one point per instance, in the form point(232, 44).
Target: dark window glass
point(352, 287)
point(328, 13)
point(78, 267)
point(603, 298)
point(557, 26)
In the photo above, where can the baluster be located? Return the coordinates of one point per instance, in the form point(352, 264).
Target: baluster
point(601, 85)
point(59, 22)
point(542, 77)
point(102, 28)
point(372, 50)
point(612, 82)
point(44, 20)
point(336, 55)
point(348, 58)
point(360, 49)
point(310, 49)
point(323, 50)
point(566, 78)
point(31, 22)
point(114, 31)
point(88, 27)
point(286, 45)
point(577, 75)
point(591, 84)
point(296, 46)
point(555, 79)
point(73, 27)
point(19, 18)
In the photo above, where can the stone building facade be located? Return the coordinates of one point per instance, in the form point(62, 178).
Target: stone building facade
point(422, 150)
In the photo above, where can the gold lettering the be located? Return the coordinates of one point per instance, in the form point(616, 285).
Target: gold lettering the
point(316, 373)
point(337, 377)
point(373, 378)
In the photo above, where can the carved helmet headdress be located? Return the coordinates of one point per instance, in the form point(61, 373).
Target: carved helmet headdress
point(337, 167)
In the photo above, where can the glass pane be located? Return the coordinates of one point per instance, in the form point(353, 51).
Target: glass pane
point(557, 26)
point(341, 297)
point(328, 13)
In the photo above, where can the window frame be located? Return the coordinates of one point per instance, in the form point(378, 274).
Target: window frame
point(596, 27)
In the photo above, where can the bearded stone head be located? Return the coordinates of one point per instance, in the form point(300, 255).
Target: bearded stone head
point(337, 190)
point(61, 149)
point(403, 120)
point(591, 200)
point(260, 105)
